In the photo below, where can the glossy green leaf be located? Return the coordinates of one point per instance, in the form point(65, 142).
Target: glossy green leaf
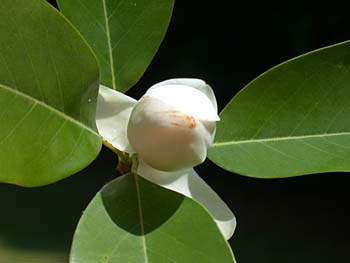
point(125, 35)
point(132, 221)
point(292, 120)
point(48, 88)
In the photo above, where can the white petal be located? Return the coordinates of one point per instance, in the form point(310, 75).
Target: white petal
point(112, 117)
point(194, 83)
point(186, 99)
point(191, 185)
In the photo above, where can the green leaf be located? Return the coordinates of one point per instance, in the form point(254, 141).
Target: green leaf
point(48, 88)
point(132, 220)
point(294, 119)
point(125, 35)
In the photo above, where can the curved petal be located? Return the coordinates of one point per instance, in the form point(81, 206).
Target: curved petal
point(189, 183)
point(185, 98)
point(205, 195)
point(195, 83)
point(112, 117)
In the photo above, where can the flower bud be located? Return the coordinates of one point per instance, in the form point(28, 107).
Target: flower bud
point(172, 126)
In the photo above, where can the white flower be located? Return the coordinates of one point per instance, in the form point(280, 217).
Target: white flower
point(170, 128)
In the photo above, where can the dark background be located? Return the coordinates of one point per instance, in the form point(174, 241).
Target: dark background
point(303, 219)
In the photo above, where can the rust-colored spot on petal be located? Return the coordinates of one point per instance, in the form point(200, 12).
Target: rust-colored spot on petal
point(170, 111)
point(175, 124)
point(192, 122)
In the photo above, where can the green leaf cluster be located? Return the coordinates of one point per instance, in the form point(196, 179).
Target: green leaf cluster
point(49, 78)
point(291, 120)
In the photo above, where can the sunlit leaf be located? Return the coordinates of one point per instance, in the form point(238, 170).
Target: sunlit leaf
point(291, 120)
point(48, 88)
point(132, 220)
point(125, 35)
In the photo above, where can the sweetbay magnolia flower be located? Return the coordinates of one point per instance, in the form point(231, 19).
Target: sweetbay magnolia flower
point(170, 128)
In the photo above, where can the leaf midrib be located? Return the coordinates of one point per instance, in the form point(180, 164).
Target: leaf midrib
point(277, 139)
point(49, 107)
point(110, 50)
point(142, 225)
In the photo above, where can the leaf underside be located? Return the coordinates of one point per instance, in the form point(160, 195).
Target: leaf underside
point(291, 120)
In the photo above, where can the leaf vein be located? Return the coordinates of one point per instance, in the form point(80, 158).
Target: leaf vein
point(110, 50)
point(142, 226)
point(49, 107)
point(276, 139)
point(25, 116)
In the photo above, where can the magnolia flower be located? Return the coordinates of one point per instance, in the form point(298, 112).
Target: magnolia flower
point(170, 128)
